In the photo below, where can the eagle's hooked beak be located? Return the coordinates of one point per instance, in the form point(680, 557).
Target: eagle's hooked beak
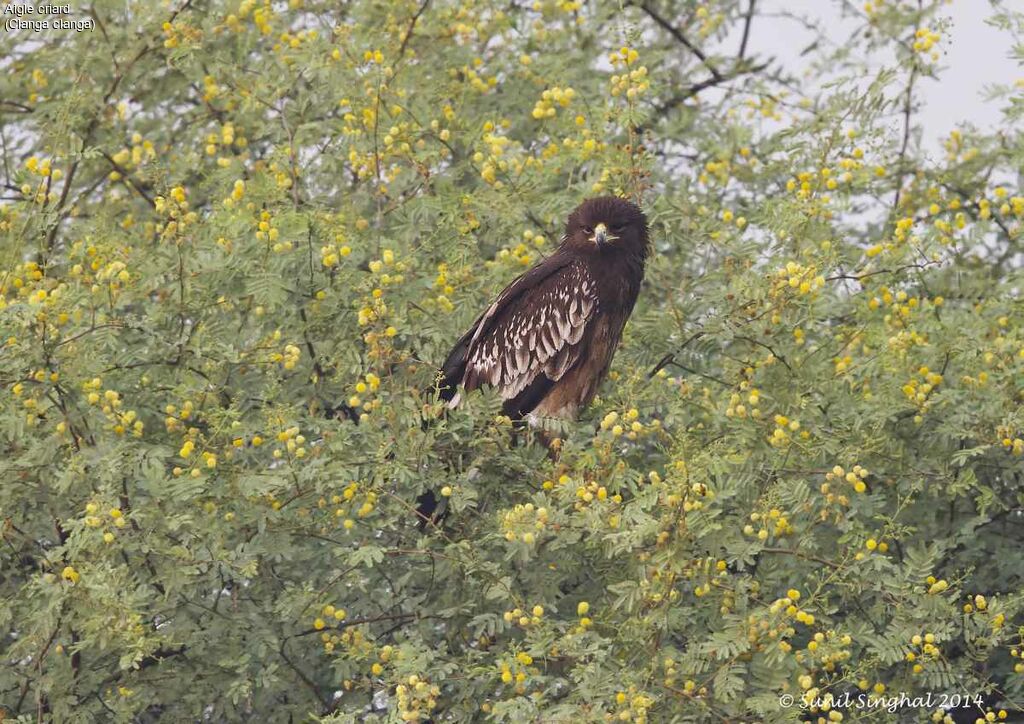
point(601, 236)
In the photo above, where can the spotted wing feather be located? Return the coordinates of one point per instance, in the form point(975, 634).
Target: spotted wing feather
point(529, 338)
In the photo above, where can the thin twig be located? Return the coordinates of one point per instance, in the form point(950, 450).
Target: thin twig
point(409, 30)
point(670, 357)
point(748, 18)
point(682, 39)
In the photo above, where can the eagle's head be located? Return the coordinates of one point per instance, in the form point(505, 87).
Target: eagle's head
point(608, 225)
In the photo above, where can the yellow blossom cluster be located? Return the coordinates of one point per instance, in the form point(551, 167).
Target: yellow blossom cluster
point(368, 384)
point(331, 254)
point(820, 181)
point(291, 442)
point(368, 504)
point(919, 391)
point(176, 208)
point(522, 254)
point(553, 7)
point(878, 687)
point(737, 406)
point(827, 650)
point(262, 15)
point(174, 416)
point(1008, 205)
point(268, 232)
point(625, 56)
point(803, 279)
point(329, 613)
point(496, 160)
point(283, 174)
point(373, 310)
point(111, 404)
point(563, 480)
point(396, 144)
point(443, 285)
point(720, 171)
point(1018, 668)
point(92, 519)
point(178, 32)
point(947, 229)
point(525, 619)
point(774, 521)
point(385, 655)
point(524, 522)
point(785, 428)
point(41, 192)
point(210, 88)
point(287, 358)
point(583, 612)
point(550, 99)
point(344, 509)
point(875, 8)
point(288, 41)
point(133, 157)
point(681, 492)
point(517, 670)
point(8, 215)
point(855, 477)
point(417, 697)
point(709, 21)
point(632, 82)
point(31, 402)
point(587, 493)
point(956, 150)
point(28, 281)
point(788, 605)
point(633, 706)
point(479, 83)
point(925, 40)
point(114, 272)
point(831, 496)
point(690, 688)
point(1010, 440)
point(977, 603)
point(354, 642)
point(765, 106)
point(36, 82)
point(187, 453)
point(873, 544)
point(628, 424)
point(922, 649)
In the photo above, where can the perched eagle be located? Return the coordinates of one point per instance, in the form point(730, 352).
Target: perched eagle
point(547, 341)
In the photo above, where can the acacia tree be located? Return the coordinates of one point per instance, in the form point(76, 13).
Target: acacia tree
point(237, 239)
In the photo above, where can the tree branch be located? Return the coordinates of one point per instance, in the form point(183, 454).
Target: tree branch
point(680, 38)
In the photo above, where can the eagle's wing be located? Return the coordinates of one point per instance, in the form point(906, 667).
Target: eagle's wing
point(529, 337)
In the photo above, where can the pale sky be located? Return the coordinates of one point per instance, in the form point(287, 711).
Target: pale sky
point(975, 55)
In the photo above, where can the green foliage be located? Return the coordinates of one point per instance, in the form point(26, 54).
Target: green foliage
point(237, 239)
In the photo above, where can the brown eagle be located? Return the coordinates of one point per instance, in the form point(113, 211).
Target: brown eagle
point(547, 341)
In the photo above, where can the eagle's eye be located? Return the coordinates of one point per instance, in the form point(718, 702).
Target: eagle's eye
point(588, 230)
point(618, 228)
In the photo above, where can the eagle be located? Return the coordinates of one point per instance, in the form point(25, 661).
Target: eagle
point(547, 341)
